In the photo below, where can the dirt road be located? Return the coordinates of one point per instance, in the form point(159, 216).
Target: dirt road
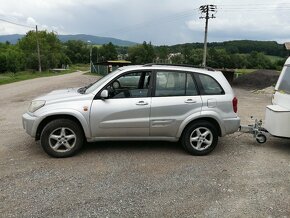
point(138, 179)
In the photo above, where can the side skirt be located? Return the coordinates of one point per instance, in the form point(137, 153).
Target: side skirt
point(170, 139)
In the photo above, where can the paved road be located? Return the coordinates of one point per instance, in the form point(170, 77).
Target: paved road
point(138, 179)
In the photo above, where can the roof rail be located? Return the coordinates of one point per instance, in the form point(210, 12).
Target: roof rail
point(179, 65)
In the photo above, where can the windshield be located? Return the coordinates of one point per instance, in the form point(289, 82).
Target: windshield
point(90, 88)
point(285, 81)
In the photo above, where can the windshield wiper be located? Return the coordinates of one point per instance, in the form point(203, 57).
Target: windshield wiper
point(82, 90)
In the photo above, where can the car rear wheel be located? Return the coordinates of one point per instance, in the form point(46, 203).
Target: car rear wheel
point(200, 138)
point(62, 138)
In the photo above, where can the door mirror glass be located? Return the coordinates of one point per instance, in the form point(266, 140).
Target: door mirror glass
point(105, 93)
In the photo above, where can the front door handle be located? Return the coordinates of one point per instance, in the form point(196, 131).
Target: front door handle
point(190, 101)
point(141, 103)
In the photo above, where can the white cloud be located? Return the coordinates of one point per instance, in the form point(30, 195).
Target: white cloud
point(246, 22)
point(30, 21)
point(158, 21)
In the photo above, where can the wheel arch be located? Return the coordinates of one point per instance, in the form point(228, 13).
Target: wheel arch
point(50, 118)
point(208, 119)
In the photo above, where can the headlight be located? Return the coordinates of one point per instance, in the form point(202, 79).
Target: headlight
point(35, 105)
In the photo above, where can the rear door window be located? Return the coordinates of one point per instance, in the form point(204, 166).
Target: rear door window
point(174, 83)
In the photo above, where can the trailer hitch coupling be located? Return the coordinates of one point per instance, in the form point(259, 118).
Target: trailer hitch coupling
point(256, 130)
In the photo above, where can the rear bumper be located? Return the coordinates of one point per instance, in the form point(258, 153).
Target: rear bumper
point(29, 124)
point(231, 125)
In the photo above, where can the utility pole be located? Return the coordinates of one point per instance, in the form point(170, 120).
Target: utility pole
point(208, 11)
point(91, 53)
point(38, 50)
point(98, 61)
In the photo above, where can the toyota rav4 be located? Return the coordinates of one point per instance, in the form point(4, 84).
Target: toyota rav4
point(150, 102)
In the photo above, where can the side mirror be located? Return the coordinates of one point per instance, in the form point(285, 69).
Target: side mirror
point(104, 94)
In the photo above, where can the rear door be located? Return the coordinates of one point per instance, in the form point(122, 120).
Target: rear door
point(214, 97)
point(175, 97)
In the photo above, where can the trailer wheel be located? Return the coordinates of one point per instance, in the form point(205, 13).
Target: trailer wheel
point(261, 138)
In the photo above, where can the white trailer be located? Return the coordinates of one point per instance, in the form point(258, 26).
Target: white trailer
point(277, 120)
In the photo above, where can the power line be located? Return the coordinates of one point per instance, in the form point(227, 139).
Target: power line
point(38, 49)
point(261, 4)
point(14, 23)
point(171, 18)
point(231, 8)
point(255, 7)
point(37, 41)
point(260, 8)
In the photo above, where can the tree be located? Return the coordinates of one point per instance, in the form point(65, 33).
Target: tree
point(141, 54)
point(108, 52)
point(218, 58)
point(3, 63)
point(196, 56)
point(95, 54)
point(77, 51)
point(51, 50)
point(11, 58)
point(177, 59)
point(162, 52)
point(258, 60)
point(15, 60)
point(186, 55)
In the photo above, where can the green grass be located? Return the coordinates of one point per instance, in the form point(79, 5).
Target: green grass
point(274, 58)
point(81, 67)
point(241, 72)
point(244, 71)
point(6, 78)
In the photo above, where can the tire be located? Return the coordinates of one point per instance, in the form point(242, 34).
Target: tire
point(261, 138)
point(200, 138)
point(62, 138)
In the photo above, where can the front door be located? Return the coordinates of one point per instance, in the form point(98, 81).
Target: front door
point(126, 112)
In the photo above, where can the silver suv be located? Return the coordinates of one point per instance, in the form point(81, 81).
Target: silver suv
point(149, 102)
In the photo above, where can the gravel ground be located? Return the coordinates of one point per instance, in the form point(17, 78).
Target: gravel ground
point(139, 179)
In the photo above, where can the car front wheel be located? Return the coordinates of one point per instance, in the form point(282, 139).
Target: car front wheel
point(200, 138)
point(62, 138)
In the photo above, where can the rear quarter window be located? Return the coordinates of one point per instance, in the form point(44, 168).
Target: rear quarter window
point(209, 86)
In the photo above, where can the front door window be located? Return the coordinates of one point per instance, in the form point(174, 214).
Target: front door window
point(132, 85)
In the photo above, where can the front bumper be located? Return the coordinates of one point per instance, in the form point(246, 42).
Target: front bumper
point(29, 123)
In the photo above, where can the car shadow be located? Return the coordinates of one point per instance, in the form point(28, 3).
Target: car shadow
point(134, 146)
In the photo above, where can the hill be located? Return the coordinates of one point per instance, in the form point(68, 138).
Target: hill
point(238, 47)
point(10, 38)
point(83, 37)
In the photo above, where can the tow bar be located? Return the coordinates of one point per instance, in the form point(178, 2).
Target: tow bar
point(258, 132)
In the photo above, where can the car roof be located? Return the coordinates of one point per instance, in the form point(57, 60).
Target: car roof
point(168, 67)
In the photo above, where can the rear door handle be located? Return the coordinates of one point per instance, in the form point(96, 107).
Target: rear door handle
point(190, 101)
point(141, 103)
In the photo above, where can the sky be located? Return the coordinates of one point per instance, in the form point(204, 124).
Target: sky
point(162, 22)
